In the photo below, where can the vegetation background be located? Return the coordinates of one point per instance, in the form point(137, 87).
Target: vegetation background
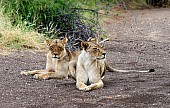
point(25, 23)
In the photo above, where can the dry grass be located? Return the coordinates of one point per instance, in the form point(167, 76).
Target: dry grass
point(16, 38)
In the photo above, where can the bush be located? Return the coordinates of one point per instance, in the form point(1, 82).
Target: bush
point(57, 18)
point(160, 3)
point(76, 19)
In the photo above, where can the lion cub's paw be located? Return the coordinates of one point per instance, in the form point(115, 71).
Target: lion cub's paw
point(40, 76)
point(24, 73)
point(87, 88)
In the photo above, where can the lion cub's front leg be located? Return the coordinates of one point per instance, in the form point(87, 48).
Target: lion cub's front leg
point(84, 87)
point(33, 72)
point(49, 67)
point(72, 68)
point(97, 85)
point(50, 75)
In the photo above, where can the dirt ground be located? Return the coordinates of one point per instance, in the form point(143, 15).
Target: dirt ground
point(140, 40)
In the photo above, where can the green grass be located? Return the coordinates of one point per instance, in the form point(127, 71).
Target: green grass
point(20, 18)
point(48, 16)
point(13, 37)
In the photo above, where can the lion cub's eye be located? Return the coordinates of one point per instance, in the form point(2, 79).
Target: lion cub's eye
point(95, 48)
point(60, 48)
point(50, 48)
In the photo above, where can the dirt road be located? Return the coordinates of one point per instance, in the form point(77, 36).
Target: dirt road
point(140, 40)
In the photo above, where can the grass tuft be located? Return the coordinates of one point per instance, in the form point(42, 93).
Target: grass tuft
point(16, 38)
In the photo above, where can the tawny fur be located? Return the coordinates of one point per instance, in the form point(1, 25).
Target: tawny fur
point(89, 68)
point(57, 63)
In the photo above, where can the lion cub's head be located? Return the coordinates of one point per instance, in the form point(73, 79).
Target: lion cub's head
point(57, 47)
point(93, 49)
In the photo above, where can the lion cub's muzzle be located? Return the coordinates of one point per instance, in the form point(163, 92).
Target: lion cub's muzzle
point(55, 56)
point(103, 56)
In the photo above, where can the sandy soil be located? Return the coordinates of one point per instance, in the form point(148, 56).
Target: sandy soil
point(140, 40)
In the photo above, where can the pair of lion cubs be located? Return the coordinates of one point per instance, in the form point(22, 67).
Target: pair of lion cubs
point(87, 66)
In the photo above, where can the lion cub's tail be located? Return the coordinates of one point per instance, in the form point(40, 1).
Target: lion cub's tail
point(117, 70)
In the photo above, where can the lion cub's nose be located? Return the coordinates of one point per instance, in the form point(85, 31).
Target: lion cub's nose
point(104, 53)
point(55, 56)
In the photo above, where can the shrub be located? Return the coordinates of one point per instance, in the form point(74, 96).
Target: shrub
point(55, 18)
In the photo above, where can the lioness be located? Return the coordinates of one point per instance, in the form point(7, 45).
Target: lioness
point(58, 59)
point(90, 67)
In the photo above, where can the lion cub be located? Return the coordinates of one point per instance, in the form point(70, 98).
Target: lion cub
point(89, 68)
point(57, 63)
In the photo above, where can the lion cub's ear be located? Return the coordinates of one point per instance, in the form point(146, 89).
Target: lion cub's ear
point(47, 42)
point(64, 40)
point(95, 40)
point(85, 45)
